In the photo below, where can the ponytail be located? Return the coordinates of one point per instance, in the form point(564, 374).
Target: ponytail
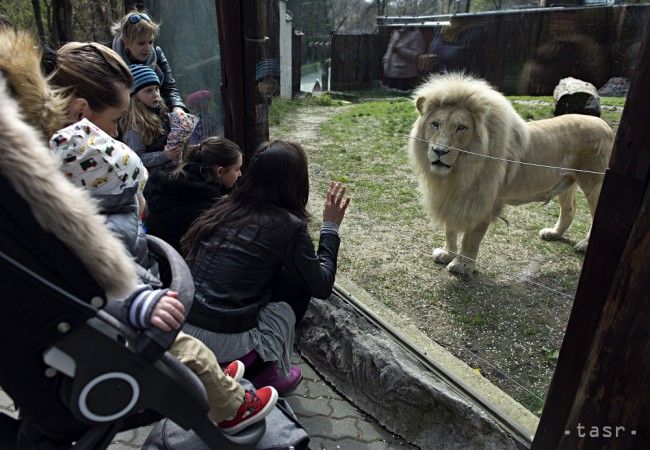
point(189, 154)
point(197, 160)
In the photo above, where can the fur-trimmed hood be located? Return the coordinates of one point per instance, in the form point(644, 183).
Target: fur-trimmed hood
point(20, 63)
point(59, 207)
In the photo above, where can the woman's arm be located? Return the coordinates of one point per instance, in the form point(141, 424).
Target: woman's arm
point(317, 271)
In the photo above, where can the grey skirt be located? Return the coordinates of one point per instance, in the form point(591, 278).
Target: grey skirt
point(272, 339)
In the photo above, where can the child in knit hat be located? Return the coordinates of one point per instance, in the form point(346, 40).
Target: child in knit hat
point(115, 176)
point(146, 124)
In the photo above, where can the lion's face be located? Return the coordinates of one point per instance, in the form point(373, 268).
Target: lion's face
point(446, 129)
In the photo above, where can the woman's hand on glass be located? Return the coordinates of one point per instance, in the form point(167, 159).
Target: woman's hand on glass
point(335, 203)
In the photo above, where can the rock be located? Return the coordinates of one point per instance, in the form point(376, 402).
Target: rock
point(382, 379)
point(615, 87)
point(573, 96)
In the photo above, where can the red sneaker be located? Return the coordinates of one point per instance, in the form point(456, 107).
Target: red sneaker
point(235, 370)
point(256, 406)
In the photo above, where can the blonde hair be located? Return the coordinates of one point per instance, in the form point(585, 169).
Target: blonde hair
point(131, 31)
point(143, 120)
point(90, 71)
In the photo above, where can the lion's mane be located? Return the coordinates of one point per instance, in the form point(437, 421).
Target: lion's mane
point(469, 192)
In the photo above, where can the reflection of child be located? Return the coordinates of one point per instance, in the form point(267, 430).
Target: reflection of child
point(267, 75)
point(199, 102)
point(114, 181)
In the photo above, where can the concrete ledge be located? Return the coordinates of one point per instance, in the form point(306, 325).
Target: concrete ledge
point(388, 382)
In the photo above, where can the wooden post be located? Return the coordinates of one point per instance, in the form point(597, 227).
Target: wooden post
point(603, 368)
point(232, 70)
point(296, 61)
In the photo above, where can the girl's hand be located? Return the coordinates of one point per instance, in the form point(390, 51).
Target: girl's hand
point(168, 313)
point(173, 152)
point(335, 203)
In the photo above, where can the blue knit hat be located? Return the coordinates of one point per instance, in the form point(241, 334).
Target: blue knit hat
point(143, 76)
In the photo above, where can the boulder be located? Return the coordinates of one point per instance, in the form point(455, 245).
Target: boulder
point(387, 382)
point(615, 87)
point(573, 96)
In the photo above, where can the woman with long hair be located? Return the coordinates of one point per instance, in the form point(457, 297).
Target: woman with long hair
point(254, 264)
point(95, 82)
point(205, 172)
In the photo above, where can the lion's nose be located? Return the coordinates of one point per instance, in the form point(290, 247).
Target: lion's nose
point(440, 151)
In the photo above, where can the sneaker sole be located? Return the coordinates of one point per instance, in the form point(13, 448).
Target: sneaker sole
point(254, 419)
point(240, 372)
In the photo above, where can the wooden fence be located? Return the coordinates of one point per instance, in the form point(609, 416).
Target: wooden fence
point(521, 52)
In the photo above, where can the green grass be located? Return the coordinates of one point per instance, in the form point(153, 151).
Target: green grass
point(609, 101)
point(280, 107)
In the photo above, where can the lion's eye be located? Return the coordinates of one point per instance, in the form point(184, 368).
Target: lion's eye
point(435, 125)
point(461, 128)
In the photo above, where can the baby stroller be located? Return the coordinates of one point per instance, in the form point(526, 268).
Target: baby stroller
point(78, 375)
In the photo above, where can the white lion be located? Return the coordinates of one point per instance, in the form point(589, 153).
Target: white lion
point(466, 192)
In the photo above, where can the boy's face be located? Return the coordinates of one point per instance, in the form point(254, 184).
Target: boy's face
point(150, 96)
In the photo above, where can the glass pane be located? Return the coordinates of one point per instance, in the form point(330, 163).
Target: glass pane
point(507, 320)
point(189, 38)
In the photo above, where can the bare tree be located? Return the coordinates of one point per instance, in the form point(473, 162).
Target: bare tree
point(62, 22)
point(38, 18)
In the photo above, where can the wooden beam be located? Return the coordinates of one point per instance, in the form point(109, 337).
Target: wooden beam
point(603, 367)
point(232, 70)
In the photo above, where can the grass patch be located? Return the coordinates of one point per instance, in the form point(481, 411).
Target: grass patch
point(280, 107)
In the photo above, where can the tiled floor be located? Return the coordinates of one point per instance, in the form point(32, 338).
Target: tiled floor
point(331, 421)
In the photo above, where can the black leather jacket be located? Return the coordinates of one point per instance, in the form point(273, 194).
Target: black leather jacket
point(233, 270)
point(158, 62)
point(168, 89)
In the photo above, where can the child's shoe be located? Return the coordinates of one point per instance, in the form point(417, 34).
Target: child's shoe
point(235, 370)
point(271, 376)
point(256, 406)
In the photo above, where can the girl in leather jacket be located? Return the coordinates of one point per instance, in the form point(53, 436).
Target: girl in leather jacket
point(134, 42)
point(254, 264)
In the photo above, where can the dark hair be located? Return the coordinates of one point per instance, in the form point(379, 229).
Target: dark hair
point(276, 179)
point(197, 160)
point(91, 71)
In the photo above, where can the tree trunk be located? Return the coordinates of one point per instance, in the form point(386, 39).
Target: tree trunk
point(36, 4)
point(62, 21)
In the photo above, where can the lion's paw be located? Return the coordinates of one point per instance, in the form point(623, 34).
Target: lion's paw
point(461, 267)
point(442, 256)
point(581, 246)
point(549, 234)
